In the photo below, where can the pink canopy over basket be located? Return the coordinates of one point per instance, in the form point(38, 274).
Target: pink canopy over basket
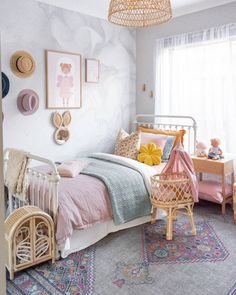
point(180, 161)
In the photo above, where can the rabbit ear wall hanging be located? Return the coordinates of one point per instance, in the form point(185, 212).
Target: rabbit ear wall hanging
point(61, 122)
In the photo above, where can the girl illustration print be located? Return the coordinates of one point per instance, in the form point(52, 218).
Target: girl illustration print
point(65, 83)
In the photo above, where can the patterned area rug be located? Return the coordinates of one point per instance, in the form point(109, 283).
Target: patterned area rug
point(184, 248)
point(73, 275)
point(132, 274)
point(140, 261)
point(232, 291)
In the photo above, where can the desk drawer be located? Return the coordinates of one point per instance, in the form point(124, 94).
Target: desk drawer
point(207, 166)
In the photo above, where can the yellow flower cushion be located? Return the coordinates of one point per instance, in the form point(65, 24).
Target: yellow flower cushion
point(150, 154)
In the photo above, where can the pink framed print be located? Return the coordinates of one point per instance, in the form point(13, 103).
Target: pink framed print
point(92, 70)
point(64, 80)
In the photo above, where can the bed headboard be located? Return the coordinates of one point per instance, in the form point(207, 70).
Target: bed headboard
point(171, 123)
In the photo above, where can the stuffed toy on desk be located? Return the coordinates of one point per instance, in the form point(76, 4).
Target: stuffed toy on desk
point(215, 153)
point(201, 149)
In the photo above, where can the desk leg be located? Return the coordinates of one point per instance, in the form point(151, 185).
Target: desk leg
point(232, 183)
point(234, 196)
point(224, 195)
point(234, 206)
point(200, 176)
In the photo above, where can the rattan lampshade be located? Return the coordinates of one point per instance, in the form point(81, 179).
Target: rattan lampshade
point(139, 13)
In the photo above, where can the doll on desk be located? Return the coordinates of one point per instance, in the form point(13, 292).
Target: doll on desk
point(215, 153)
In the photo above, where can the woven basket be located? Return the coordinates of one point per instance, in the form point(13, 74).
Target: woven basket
point(170, 189)
point(172, 192)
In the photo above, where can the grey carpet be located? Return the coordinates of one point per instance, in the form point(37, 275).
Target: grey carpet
point(198, 278)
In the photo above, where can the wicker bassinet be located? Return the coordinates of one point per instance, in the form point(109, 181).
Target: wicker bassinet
point(172, 192)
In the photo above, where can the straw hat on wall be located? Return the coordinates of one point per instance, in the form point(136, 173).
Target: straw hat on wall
point(22, 64)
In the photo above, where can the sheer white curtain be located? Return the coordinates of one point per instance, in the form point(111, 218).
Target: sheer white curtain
point(196, 76)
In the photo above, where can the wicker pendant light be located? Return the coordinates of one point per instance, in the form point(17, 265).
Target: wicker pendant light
point(139, 13)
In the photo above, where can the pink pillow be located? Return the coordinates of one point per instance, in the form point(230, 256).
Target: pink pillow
point(212, 191)
point(158, 139)
point(71, 168)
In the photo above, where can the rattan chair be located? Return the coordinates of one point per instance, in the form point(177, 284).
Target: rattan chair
point(172, 192)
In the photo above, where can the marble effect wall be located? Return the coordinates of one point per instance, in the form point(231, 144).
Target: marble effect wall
point(107, 106)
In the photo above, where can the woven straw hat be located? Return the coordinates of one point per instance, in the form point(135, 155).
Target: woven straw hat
point(22, 64)
point(27, 102)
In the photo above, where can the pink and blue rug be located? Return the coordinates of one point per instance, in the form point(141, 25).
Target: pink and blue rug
point(184, 248)
point(72, 275)
point(232, 291)
point(132, 274)
point(117, 275)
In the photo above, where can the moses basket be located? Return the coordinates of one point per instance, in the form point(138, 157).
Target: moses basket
point(172, 192)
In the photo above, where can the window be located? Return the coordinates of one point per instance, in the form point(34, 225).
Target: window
point(196, 76)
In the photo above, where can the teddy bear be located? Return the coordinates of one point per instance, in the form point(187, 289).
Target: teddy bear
point(201, 149)
point(65, 83)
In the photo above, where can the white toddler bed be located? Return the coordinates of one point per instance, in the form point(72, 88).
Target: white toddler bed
point(44, 186)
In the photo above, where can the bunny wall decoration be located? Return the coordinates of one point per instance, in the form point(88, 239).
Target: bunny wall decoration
point(61, 122)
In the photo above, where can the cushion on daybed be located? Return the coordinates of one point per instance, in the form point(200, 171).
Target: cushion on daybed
point(71, 168)
point(150, 154)
point(127, 145)
point(159, 139)
point(168, 148)
point(179, 134)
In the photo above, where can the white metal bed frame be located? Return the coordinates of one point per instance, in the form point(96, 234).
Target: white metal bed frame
point(38, 192)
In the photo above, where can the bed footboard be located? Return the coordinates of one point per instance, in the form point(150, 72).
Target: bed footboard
point(42, 186)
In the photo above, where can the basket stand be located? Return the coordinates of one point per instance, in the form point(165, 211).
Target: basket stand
point(172, 192)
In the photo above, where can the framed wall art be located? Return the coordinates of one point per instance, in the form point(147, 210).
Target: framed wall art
point(64, 80)
point(92, 70)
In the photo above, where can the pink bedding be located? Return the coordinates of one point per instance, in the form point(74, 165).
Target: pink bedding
point(83, 202)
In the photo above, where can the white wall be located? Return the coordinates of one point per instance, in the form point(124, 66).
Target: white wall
point(107, 106)
point(146, 39)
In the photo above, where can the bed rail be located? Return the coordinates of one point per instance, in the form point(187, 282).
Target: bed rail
point(171, 123)
point(43, 186)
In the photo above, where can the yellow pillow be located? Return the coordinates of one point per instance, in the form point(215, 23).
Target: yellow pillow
point(179, 134)
point(150, 154)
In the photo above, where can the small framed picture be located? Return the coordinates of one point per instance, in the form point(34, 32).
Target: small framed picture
point(92, 70)
point(64, 80)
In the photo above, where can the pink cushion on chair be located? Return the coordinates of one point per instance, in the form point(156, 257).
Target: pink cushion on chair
point(71, 168)
point(212, 191)
point(158, 139)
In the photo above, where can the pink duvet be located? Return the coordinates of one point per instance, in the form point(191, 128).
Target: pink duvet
point(83, 201)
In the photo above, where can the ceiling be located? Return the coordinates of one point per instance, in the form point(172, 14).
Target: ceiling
point(99, 8)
